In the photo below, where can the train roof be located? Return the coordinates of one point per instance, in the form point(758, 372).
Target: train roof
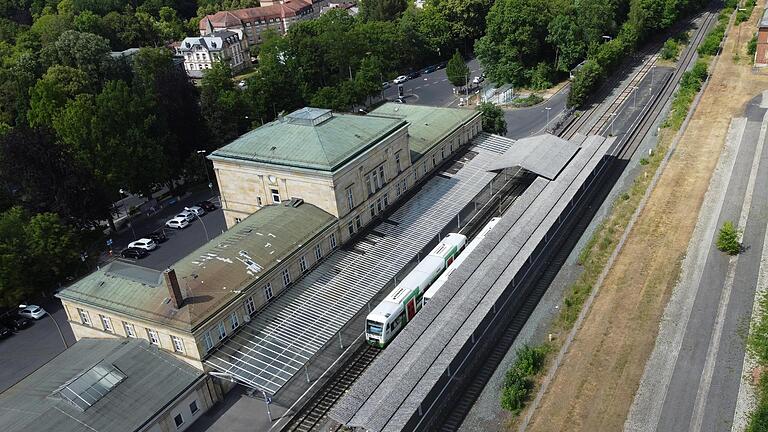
point(451, 240)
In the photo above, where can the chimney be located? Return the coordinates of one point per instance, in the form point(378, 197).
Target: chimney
point(174, 292)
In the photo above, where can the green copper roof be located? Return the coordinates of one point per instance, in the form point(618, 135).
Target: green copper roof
point(427, 125)
point(310, 138)
point(212, 276)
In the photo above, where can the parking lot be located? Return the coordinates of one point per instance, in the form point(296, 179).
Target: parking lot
point(431, 89)
point(180, 243)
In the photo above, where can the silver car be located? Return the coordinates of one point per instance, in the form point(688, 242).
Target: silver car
point(144, 243)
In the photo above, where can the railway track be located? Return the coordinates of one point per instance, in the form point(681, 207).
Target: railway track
point(624, 148)
point(315, 416)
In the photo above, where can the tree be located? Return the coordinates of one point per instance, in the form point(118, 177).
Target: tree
point(85, 51)
point(728, 239)
point(223, 106)
point(36, 253)
point(51, 93)
point(457, 70)
point(493, 118)
point(382, 10)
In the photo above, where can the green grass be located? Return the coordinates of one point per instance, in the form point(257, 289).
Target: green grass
point(518, 381)
point(757, 346)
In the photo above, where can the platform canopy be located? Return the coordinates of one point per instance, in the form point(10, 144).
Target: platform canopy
point(545, 155)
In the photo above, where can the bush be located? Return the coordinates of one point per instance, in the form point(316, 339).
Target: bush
point(711, 43)
point(752, 46)
point(518, 381)
point(728, 239)
point(670, 50)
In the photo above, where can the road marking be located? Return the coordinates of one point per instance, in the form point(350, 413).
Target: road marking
point(417, 88)
point(445, 79)
point(712, 351)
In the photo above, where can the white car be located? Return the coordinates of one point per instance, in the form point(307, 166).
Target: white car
point(401, 79)
point(478, 80)
point(31, 311)
point(177, 223)
point(195, 209)
point(144, 243)
point(188, 215)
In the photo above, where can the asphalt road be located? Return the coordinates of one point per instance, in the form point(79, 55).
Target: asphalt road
point(27, 350)
point(432, 89)
point(704, 385)
point(180, 243)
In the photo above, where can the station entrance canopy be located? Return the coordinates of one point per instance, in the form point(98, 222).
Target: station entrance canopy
point(544, 155)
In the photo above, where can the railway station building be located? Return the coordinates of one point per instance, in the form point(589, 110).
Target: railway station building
point(351, 166)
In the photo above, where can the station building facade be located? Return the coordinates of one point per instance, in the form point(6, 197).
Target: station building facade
point(352, 166)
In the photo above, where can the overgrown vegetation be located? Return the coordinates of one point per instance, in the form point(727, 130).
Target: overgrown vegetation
point(711, 43)
point(519, 379)
point(690, 84)
point(743, 14)
point(530, 100)
point(757, 346)
point(493, 118)
point(670, 50)
point(728, 239)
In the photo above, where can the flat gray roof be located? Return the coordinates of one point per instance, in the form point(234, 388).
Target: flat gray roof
point(152, 379)
point(545, 155)
point(418, 362)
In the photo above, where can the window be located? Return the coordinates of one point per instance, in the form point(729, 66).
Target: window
point(350, 198)
point(424, 168)
point(233, 321)
point(405, 185)
point(275, 196)
point(153, 337)
point(332, 240)
point(378, 205)
point(178, 420)
point(178, 344)
point(258, 201)
point(351, 228)
point(130, 331)
point(382, 177)
point(222, 331)
point(386, 199)
point(193, 407)
point(106, 323)
point(397, 163)
point(370, 184)
point(398, 191)
point(250, 306)
point(286, 277)
point(268, 292)
point(318, 252)
point(207, 341)
point(442, 153)
point(372, 209)
point(85, 319)
point(303, 263)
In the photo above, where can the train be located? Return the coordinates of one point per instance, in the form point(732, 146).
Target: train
point(400, 306)
point(435, 287)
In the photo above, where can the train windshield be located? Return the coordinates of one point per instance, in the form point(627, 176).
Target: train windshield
point(373, 327)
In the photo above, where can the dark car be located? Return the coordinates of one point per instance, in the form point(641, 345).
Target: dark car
point(134, 253)
point(16, 322)
point(441, 65)
point(158, 236)
point(5, 332)
point(414, 74)
point(207, 206)
point(429, 69)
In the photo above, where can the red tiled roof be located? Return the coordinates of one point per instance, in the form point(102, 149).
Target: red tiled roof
point(231, 18)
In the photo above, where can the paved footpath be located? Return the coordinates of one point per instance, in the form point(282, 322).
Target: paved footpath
point(693, 377)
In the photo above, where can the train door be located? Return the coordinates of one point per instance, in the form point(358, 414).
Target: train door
point(410, 308)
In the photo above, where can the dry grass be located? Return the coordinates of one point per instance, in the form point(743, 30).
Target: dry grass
point(594, 387)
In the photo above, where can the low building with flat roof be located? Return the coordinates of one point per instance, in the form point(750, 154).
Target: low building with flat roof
point(352, 166)
point(761, 50)
point(115, 385)
point(200, 301)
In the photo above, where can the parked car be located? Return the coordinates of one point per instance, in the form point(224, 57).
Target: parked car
point(158, 236)
point(442, 65)
point(385, 85)
point(16, 322)
point(207, 206)
point(145, 243)
point(198, 210)
point(5, 332)
point(477, 80)
point(414, 75)
point(429, 69)
point(401, 79)
point(31, 311)
point(134, 253)
point(177, 223)
point(186, 215)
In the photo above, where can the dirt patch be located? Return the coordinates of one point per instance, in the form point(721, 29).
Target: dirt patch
point(595, 385)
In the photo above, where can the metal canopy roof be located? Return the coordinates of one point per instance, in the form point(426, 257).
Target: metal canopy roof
point(277, 343)
point(545, 155)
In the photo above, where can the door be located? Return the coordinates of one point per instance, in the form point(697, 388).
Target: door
point(410, 308)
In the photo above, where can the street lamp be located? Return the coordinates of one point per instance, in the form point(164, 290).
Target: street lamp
point(205, 167)
point(201, 221)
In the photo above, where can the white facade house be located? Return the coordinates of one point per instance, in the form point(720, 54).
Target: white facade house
point(201, 52)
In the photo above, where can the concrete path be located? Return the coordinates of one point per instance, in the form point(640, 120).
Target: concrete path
point(692, 379)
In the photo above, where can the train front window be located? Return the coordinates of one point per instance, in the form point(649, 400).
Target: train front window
point(373, 327)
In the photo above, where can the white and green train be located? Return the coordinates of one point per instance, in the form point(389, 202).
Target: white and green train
point(401, 305)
